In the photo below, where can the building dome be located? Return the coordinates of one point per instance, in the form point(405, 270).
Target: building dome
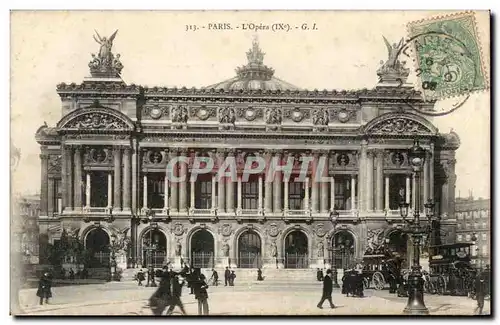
point(254, 76)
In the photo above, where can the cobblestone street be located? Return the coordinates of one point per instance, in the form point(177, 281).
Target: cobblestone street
point(126, 298)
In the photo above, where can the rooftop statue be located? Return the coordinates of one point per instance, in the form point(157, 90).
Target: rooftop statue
point(393, 70)
point(105, 64)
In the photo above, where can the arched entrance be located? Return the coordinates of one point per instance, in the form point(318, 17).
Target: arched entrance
point(343, 250)
point(397, 245)
point(154, 248)
point(296, 250)
point(249, 250)
point(97, 248)
point(202, 249)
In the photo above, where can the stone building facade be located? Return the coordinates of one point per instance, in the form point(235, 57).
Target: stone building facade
point(473, 226)
point(104, 168)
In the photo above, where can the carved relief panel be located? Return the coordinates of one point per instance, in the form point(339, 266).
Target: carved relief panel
point(296, 114)
point(154, 158)
point(98, 156)
point(156, 112)
point(203, 113)
point(396, 160)
point(250, 113)
point(343, 160)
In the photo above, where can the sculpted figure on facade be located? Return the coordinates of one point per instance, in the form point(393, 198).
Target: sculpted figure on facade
point(225, 250)
point(392, 67)
point(178, 249)
point(273, 249)
point(179, 114)
point(105, 63)
point(227, 115)
point(273, 116)
point(321, 249)
point(320, 117)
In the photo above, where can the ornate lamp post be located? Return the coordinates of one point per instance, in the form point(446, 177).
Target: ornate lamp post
point(416, 305)
point(150, 248)
point(113, 257)
point(334, 214)
point(476, 249)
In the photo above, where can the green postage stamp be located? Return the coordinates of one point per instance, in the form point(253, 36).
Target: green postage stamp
point(448, 55)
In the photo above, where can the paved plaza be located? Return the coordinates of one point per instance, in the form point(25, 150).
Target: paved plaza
point(258, 298)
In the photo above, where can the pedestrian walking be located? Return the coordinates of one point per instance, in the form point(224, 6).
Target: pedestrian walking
point(44, 288)
point(480, 294)
point(259, 275)
point(161, 299)
point(232, 276)
point(71, 274)
point(227, 275)
point(177, 282)
point(201, 295)
point(215, 277)
point(319, 275)
point(327, 290)
point(140, 277)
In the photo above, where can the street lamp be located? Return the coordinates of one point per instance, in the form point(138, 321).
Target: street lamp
point(416, 305)
point(334, 214)
point(151, 247)
point(113, 257)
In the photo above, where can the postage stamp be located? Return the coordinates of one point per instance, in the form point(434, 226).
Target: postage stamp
point(448, 55)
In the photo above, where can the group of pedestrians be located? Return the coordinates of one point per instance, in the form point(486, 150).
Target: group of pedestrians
point(169, 291)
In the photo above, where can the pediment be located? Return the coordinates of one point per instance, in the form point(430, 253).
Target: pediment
point(91, 119)
point(400, 124)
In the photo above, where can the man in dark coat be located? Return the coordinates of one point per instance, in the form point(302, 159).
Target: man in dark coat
point(227, 276)
point(44, 286)
point(480, 293)
point(232, 276)
point(215, 277)
point(177, 283)
point(201, 294)
point(259, 275)
point(162, 297)
point(327, 290)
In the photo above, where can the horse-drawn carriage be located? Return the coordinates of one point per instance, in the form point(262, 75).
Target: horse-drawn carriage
point(450, 270)
point(380, 270)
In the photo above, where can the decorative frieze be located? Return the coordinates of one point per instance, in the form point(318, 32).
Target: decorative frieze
point(156, 112)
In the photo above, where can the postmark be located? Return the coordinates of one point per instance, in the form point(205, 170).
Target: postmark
point(448, 56)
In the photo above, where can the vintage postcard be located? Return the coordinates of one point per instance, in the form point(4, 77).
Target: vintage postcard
point(250, 163)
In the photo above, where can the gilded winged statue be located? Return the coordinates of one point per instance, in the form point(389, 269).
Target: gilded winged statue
point(393, 52)
point(105, 54)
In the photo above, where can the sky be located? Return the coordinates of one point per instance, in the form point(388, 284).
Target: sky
point(160, 49)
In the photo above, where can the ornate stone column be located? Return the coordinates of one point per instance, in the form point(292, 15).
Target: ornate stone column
point(259, 204)
point(221, 204)
point(362, 176)
point(134, 176)
point(183, 184)
point(44, 192)
point(110, 190)
point(165, 194)
point(369, 180)
point(69, 169)
point(306, 195)
point(214, 197)
point(87, 189)
point(230, 189)
point(324, 185)
point(277, 183)
point(117, 186)
point(285, 196)
point(51, 197)
point(239, 193)
point(268, 205)
point(315, 186)
point(407, 199)
point(387, 186)
point(174, 196)
point(126, 179)
point(78, 181)
point(332, 193)
point(64, 176)
point(192, 199)
point(379, 203)
point(145, 191)
point(353, 192)
point(413, 186)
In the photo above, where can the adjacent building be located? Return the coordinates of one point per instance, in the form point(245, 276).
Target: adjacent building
point(473, 226)
point(105, 168)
